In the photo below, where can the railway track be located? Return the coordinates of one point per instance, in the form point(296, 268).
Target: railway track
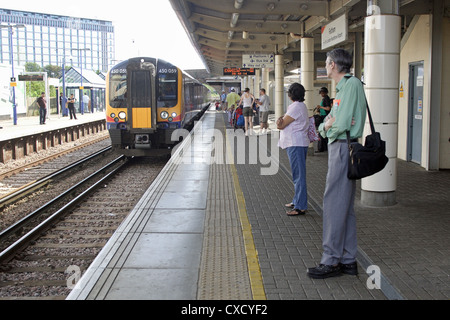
point(59, 249)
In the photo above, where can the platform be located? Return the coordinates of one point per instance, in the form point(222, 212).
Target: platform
point(30, 125)
point(29, 137)
point(210, 228)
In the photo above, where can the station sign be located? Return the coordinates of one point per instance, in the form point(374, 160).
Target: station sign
point(335, 32)
point(258, 61)
point(238, 71)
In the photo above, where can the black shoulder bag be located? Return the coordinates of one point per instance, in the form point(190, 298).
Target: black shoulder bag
point(368, 159)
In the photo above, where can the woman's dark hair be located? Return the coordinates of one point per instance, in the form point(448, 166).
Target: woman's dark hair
point(297, 92)
point(343, 59)
point(247, 90)
point(324, 90)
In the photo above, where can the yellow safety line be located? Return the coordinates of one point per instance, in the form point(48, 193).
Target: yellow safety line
point(254, 269)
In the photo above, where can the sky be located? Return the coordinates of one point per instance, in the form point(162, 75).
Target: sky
point(150, 28)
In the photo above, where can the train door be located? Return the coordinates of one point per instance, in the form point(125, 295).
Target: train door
point(416, 73)
point(141, 91)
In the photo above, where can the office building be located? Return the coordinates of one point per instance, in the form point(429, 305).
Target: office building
point(48, 39)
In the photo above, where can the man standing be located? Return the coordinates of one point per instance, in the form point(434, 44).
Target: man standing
point(339, 221)
point(71, 107)
point(42, 108)
point(264, 103)
point(233, 98)
point(86, 103)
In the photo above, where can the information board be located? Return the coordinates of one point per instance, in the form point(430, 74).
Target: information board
point(258, 61)
point(238, 71)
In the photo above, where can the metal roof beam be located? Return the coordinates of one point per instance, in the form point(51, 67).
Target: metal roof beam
point(258, 38)
point(237, 46)
point(272, 7)
point(258, 26)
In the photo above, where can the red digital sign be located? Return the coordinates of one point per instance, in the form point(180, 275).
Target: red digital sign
point(238, 71)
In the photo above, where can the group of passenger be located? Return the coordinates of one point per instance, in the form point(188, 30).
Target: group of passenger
point(247, 106)
point(347, 114)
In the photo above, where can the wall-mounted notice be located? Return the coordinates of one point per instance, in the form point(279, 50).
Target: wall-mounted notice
point(335, 32)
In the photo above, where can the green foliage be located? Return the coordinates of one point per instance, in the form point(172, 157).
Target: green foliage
point(32, 67)
point(34, 89)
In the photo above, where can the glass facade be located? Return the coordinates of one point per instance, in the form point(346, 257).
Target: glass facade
point(48, 39)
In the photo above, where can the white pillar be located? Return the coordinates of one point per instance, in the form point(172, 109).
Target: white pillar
point(251, 81)
point(381, 75)
point(265, 80)
point(307, 65)
point(257, 86)
point(279, 86)
point(333, 89)
point(242, 84)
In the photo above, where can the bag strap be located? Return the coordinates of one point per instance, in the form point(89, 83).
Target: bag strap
point(372, 127)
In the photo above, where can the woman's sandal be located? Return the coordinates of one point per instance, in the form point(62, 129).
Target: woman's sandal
point(289, 205)
point(296, 212)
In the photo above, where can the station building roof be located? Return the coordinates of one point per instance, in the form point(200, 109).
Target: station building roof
point(223, 31)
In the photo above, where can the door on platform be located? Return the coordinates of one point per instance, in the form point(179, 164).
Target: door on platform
point(415, 106)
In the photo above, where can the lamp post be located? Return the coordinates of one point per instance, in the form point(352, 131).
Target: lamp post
point(11, 55)
point(81, 84)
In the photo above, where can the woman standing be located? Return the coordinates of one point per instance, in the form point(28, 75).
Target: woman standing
point(247, 99)
point(324, 108)
point(294, 138)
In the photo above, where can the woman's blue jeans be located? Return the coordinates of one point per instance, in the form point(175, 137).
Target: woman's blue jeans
point(297, 159)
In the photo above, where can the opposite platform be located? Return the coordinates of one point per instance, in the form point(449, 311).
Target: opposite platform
point(30, 125)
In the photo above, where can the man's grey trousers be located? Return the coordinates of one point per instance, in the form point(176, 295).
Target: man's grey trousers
point(339, 220)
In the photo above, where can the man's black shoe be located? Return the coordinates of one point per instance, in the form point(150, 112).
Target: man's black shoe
point(324, 271)
point(351, 268)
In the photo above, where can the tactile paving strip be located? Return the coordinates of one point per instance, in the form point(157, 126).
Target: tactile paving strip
point(224, 273)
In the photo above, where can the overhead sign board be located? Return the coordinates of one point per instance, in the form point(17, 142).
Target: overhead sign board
point(238, 71)
point(258, 60)
point(335, 32)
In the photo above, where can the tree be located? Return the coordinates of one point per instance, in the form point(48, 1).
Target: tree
point(32, 67)
point(34, 88)
point(53, 71)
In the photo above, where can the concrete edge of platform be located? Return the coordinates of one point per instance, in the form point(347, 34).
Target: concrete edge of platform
point(101, 269)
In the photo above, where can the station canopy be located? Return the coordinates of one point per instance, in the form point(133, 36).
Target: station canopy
point(224, 31)
point(90, 78)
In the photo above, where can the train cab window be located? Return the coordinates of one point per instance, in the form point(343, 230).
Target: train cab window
point(167, 97)
point(140, 92)
point(118, 90)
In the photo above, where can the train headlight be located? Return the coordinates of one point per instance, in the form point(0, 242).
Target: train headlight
point(122, 115)
point(174, 115)
point(112, 115)
point(164, 115)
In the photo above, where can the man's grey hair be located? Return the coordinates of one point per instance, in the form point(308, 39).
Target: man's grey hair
point(342, 58)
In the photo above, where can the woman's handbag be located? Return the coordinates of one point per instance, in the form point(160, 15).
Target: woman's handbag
point(312, 133)
point(368, 159)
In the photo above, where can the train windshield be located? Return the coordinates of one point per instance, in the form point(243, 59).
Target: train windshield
point(118, 90)
point(167, 90)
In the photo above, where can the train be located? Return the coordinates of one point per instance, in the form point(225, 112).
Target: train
point(147, 99)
